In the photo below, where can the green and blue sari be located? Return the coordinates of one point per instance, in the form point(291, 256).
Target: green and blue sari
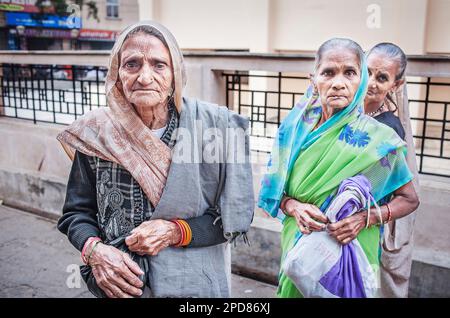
point(309, 165)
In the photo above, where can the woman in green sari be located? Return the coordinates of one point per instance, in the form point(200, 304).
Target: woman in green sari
point(325, 139)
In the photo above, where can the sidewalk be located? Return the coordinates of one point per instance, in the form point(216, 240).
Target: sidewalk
point(36, 260)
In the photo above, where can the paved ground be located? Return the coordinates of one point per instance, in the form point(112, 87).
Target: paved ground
point(36, 260)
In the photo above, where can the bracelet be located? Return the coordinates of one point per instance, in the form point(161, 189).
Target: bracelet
point(283, 204)
point(86, 246)
point(368, 218)
point(389, 218)
point(92, 251)
point(186, 232)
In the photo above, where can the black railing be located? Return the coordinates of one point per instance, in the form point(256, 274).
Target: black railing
point(272, 104)
point(430, 118)
point(55, 94)
point(432, 123)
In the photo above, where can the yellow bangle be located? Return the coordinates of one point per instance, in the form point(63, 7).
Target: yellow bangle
point(188, 233)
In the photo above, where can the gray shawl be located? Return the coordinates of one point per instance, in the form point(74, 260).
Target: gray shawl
point(190, 189)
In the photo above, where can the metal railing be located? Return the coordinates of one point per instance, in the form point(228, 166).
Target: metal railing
point(47, 93)
point(432, 133)
point(263, 87)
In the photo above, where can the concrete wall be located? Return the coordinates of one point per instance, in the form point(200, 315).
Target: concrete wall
point(33, 166)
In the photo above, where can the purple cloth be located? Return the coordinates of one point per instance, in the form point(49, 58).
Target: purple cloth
point(344, 278)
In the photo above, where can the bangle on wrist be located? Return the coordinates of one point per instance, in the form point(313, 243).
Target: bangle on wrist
point(186, 232)
point(92, 251)
point(368, 218)
point(389, 217)
point(88, 243)
point(283, 204)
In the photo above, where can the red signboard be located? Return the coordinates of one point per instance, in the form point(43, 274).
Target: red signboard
point(97, 35)
point(48, 33)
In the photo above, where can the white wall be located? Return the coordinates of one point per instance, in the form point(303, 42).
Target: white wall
point(216, 24)
point(304, 25)
point(438, 26)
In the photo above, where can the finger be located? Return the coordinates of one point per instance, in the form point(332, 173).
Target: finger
point(342, 231)
point(131, 278)
point(136, 247)
point(335, 226)
point(347, 240)
point(109, 293)
point(317, 214)
point(118, 292)
point(131, 239)
point(344, 237)
point(303, 228)
point(103, 283)
point(132, 265)
point(127, 288)
point(332, 227)
point(309, 222)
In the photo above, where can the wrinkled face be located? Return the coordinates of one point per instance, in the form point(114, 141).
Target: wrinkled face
point(382, 72)
point(145, 71)
point(337, 78)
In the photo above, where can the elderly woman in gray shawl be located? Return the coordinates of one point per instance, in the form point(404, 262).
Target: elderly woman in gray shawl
point(149, 205)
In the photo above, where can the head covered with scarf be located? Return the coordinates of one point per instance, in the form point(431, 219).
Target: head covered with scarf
point(311, 163)
point(117, 133)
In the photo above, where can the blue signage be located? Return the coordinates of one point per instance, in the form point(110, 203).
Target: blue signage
point(45, 21)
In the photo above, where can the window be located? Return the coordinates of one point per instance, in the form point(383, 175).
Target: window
point(112, 8)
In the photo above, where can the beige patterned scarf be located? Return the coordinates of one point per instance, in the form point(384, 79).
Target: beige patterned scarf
point(117, 133)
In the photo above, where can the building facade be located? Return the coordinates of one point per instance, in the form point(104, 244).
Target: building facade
point(29, 25)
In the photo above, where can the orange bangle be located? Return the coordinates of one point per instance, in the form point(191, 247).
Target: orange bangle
point(188, 232)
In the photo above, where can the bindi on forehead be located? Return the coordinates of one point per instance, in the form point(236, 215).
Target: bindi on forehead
point(382, 62)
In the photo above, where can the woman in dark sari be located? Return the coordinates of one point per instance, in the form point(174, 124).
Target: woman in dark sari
point(386, 63)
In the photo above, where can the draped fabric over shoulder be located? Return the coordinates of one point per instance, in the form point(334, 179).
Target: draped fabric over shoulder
point(117, 133)
point(175, 181)
point(310, 165)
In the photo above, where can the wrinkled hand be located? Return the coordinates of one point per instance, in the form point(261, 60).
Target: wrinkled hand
point(309, 218)
point(347, 230)
point(152, 236)
point(115, 272)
